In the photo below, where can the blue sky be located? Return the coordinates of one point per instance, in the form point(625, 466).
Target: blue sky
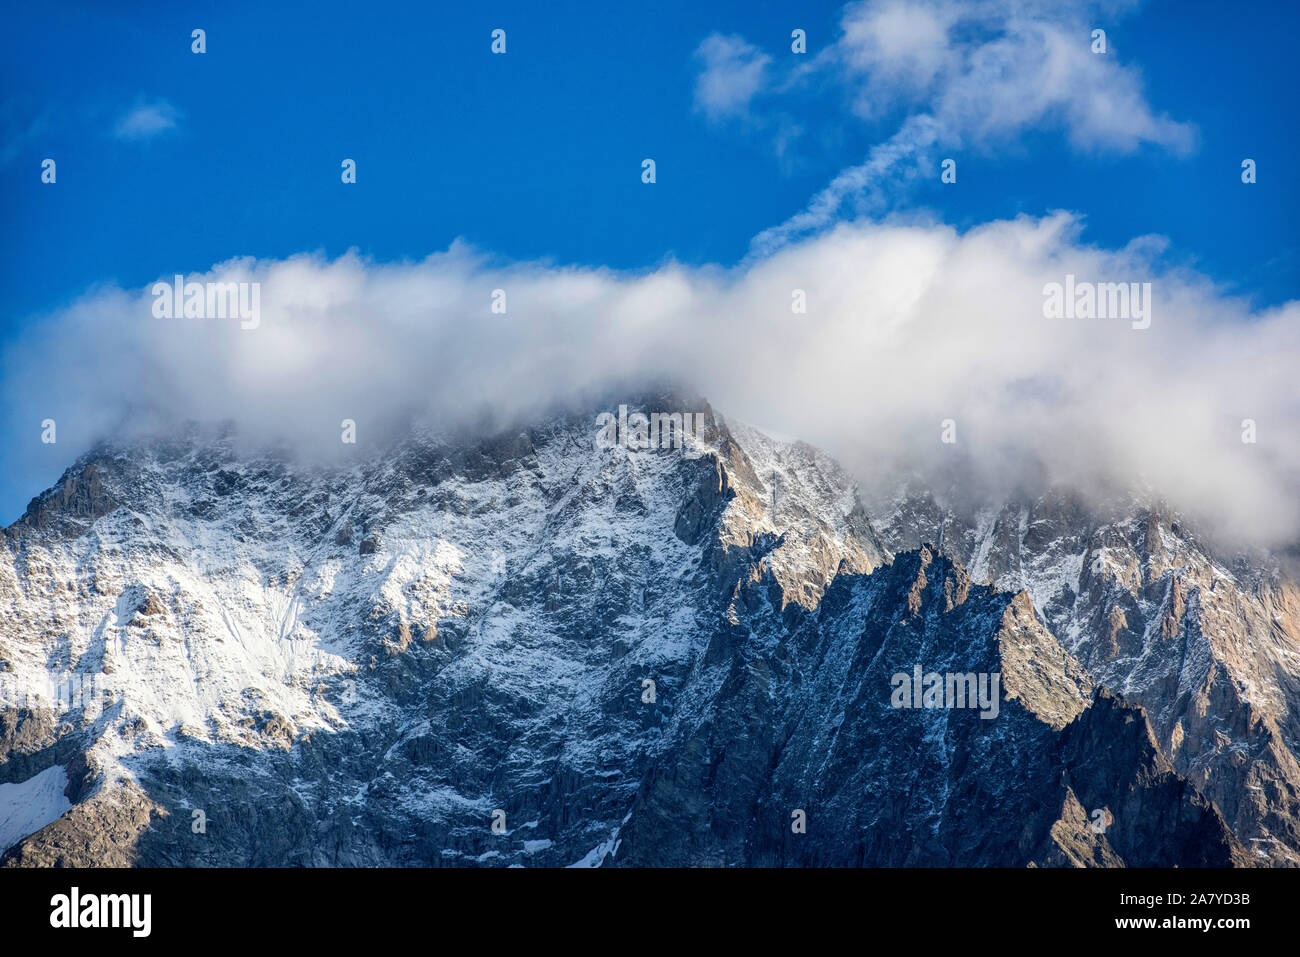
point(170, 161)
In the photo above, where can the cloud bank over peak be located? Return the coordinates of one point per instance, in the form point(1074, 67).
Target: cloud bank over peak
point(907, 325)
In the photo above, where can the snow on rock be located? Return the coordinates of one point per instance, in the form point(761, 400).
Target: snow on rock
point(27, 806)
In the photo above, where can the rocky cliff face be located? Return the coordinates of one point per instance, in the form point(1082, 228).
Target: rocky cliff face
point(793, 716)
point(1206, 641)
point(532, 650)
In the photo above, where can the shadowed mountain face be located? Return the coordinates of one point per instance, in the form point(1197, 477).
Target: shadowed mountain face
point(537, 650)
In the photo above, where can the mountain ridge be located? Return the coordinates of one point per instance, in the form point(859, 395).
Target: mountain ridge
point(363, 663)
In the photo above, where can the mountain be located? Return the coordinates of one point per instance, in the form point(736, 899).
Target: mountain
point(1206, 641)
point(529, 649)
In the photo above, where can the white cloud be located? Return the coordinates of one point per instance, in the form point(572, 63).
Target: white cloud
point(901, 46)
point(973, 75)
point(146, 120)
point(907, 324)
point(731, 75)
point(991, 70)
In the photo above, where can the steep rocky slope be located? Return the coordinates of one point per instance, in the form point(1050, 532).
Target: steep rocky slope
point(528, 649)
point(794, 714)
point(1206, 639)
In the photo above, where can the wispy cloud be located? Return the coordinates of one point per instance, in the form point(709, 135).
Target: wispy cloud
point(731, 74)
point(146, 120)
point(965, 75)
point(990, 71)
point(19, 130)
